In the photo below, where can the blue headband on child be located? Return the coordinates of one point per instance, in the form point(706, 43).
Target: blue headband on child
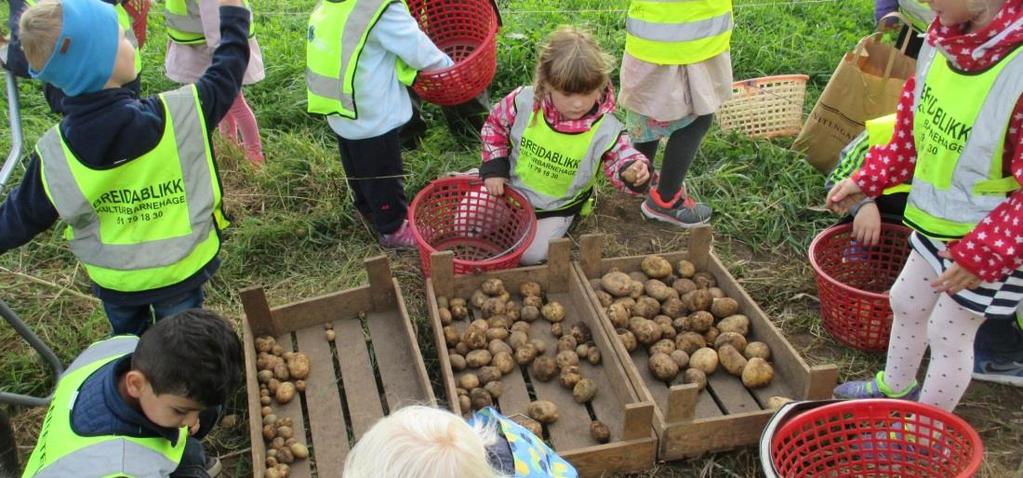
point(83, 57)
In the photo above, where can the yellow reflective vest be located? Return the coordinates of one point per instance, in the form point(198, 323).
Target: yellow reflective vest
point(184, 24)
point(678, 32)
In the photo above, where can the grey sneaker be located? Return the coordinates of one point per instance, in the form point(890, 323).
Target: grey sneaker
point(682, 210)
point(213, 466)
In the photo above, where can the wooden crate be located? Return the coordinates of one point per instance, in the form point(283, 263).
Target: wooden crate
point(726, 415)
point(373, 367)
point(633, 446)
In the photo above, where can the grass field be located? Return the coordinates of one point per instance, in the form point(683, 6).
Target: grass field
point(294, 230)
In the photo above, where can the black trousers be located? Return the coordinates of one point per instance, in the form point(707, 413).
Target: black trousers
point(375, 177)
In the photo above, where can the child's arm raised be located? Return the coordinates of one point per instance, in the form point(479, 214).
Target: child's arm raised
point(221, 82)
point(399, 33)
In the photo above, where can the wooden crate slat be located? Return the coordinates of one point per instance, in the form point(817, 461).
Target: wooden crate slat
point(732, 394)
point(364, 406)
point(252, 386)
point(395, 360)
point(323, 402)
point(293, 410)
point(316, 311)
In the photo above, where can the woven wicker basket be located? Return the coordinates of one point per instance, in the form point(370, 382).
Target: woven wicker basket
point(765, 107)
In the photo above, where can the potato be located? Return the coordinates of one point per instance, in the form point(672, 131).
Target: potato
point(593, 356)
point(723, 307)
point(647, 332)
point(698, 299)
point(264, 376)
point(663, 346)
point(757, 349)
point(604, 298)
point(497, 346)
point(283, 469)
point(493, 306)
point(492, 287)
point(299, 366)
point(475, 336)
point(285, 392)
point(657, 290)
point(553, 312)
point(566, 358)
point(480, 398)
point(272, 385)
point(581, 350)
point(584, 390)
point(695, 375)
point(636, 289)
point(530, 288)
point(520, 326)
point(570, 376)
point(478, 298)
point(504, 362)
point(731, 360)
point(330, 335)
point(667, 329)
point(269, 418)
point(300, 385)
point(529, 313)
point(543, 411)
point(646, 307)
point(459, 312)
point(673, 307)
point(481, 324)
point(464, 403)
point(716, 292)
point(265, 400)
point(462, 349)
point(704, 280)
point(628, 339)
point(469, 381)
point(277, 350)
point(533, 426)
point(776, 402)
point(299, 451)
point(512, 310)
point(683, 286)
point(758, 373)
point(663, 367)
point(489, 374)
point(656, 267)
point(478, 358)
point(556, 330)
point(600, 432)
point(539, 345)
point(533, 301)
point(499, 321)
point(442, 302)
point(518, 339)
point(581, 332)
point(505, 296)
point(619, 314)
point(544, 368)
point(638, 276)
point(711, 335)
point(497, 333)
point(595, 284)
point(265, 344)
point(284, 456)
point(737, 323)
point(451, 336)
point(457, 302)
point(272, 472)
point(617, 284)
point(705, 359)
point(495, 388)
point(682, 324)
point(567, 342)
point(681, 358)
point(701, 321)
point(731, 338)
point(269, 432)
point(685, 269)
point(444, 314)
point(525, 354)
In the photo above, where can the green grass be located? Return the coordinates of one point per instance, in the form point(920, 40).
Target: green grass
point(294, 231)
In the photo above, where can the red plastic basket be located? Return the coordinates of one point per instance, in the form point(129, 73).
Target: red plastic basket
point(876, 438)
point(485, 232)
point(466, 30)
point(853, 283)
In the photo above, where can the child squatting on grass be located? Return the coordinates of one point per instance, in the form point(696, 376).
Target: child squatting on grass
point(130, 406)
point(959, 137)
point(133, 178)
point(551, 139)
point(425, 442)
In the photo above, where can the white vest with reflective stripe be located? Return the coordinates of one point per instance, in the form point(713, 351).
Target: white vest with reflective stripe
point(523, 132)
point(60, 453)
point(948, 205)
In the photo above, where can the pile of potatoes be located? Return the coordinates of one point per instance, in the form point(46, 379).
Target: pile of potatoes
point(280, 375)
point(687, 324)
point(498, 342)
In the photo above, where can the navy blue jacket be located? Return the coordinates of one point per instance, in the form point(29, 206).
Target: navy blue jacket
point(105, 128)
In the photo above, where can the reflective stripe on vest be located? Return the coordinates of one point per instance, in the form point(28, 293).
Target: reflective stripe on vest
point(148, 222)
point(336, 36)
point(556, 171)
point(125, 21)
point(920, 16)
point(678, 32)
point(959, 129)
point(61, 453)
point(184, 24)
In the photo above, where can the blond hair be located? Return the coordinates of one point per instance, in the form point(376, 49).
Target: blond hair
point(40, 27)
point(422, 442)
point(571, 62)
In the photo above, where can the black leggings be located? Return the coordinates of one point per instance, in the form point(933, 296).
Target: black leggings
point(678, 154)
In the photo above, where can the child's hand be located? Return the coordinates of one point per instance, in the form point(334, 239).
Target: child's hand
point(956, 278)
point(495, 186)
point(838, 194)
point(194, 428)
point(867, 224)
point(637, 173)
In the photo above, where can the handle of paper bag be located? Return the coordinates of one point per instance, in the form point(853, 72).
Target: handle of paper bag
point(905, 41)
point(876, 37)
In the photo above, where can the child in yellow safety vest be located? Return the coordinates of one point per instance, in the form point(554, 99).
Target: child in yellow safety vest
point(551, 140)
point(958, 137)
point(676, 71)
point(423, 441)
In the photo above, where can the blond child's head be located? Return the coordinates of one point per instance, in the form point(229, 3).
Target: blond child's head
point(422, 442)
point(976, 13)
point(573, 69)
point(76, 45)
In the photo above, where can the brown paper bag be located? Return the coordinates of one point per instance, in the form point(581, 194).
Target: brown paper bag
point(866, 85)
